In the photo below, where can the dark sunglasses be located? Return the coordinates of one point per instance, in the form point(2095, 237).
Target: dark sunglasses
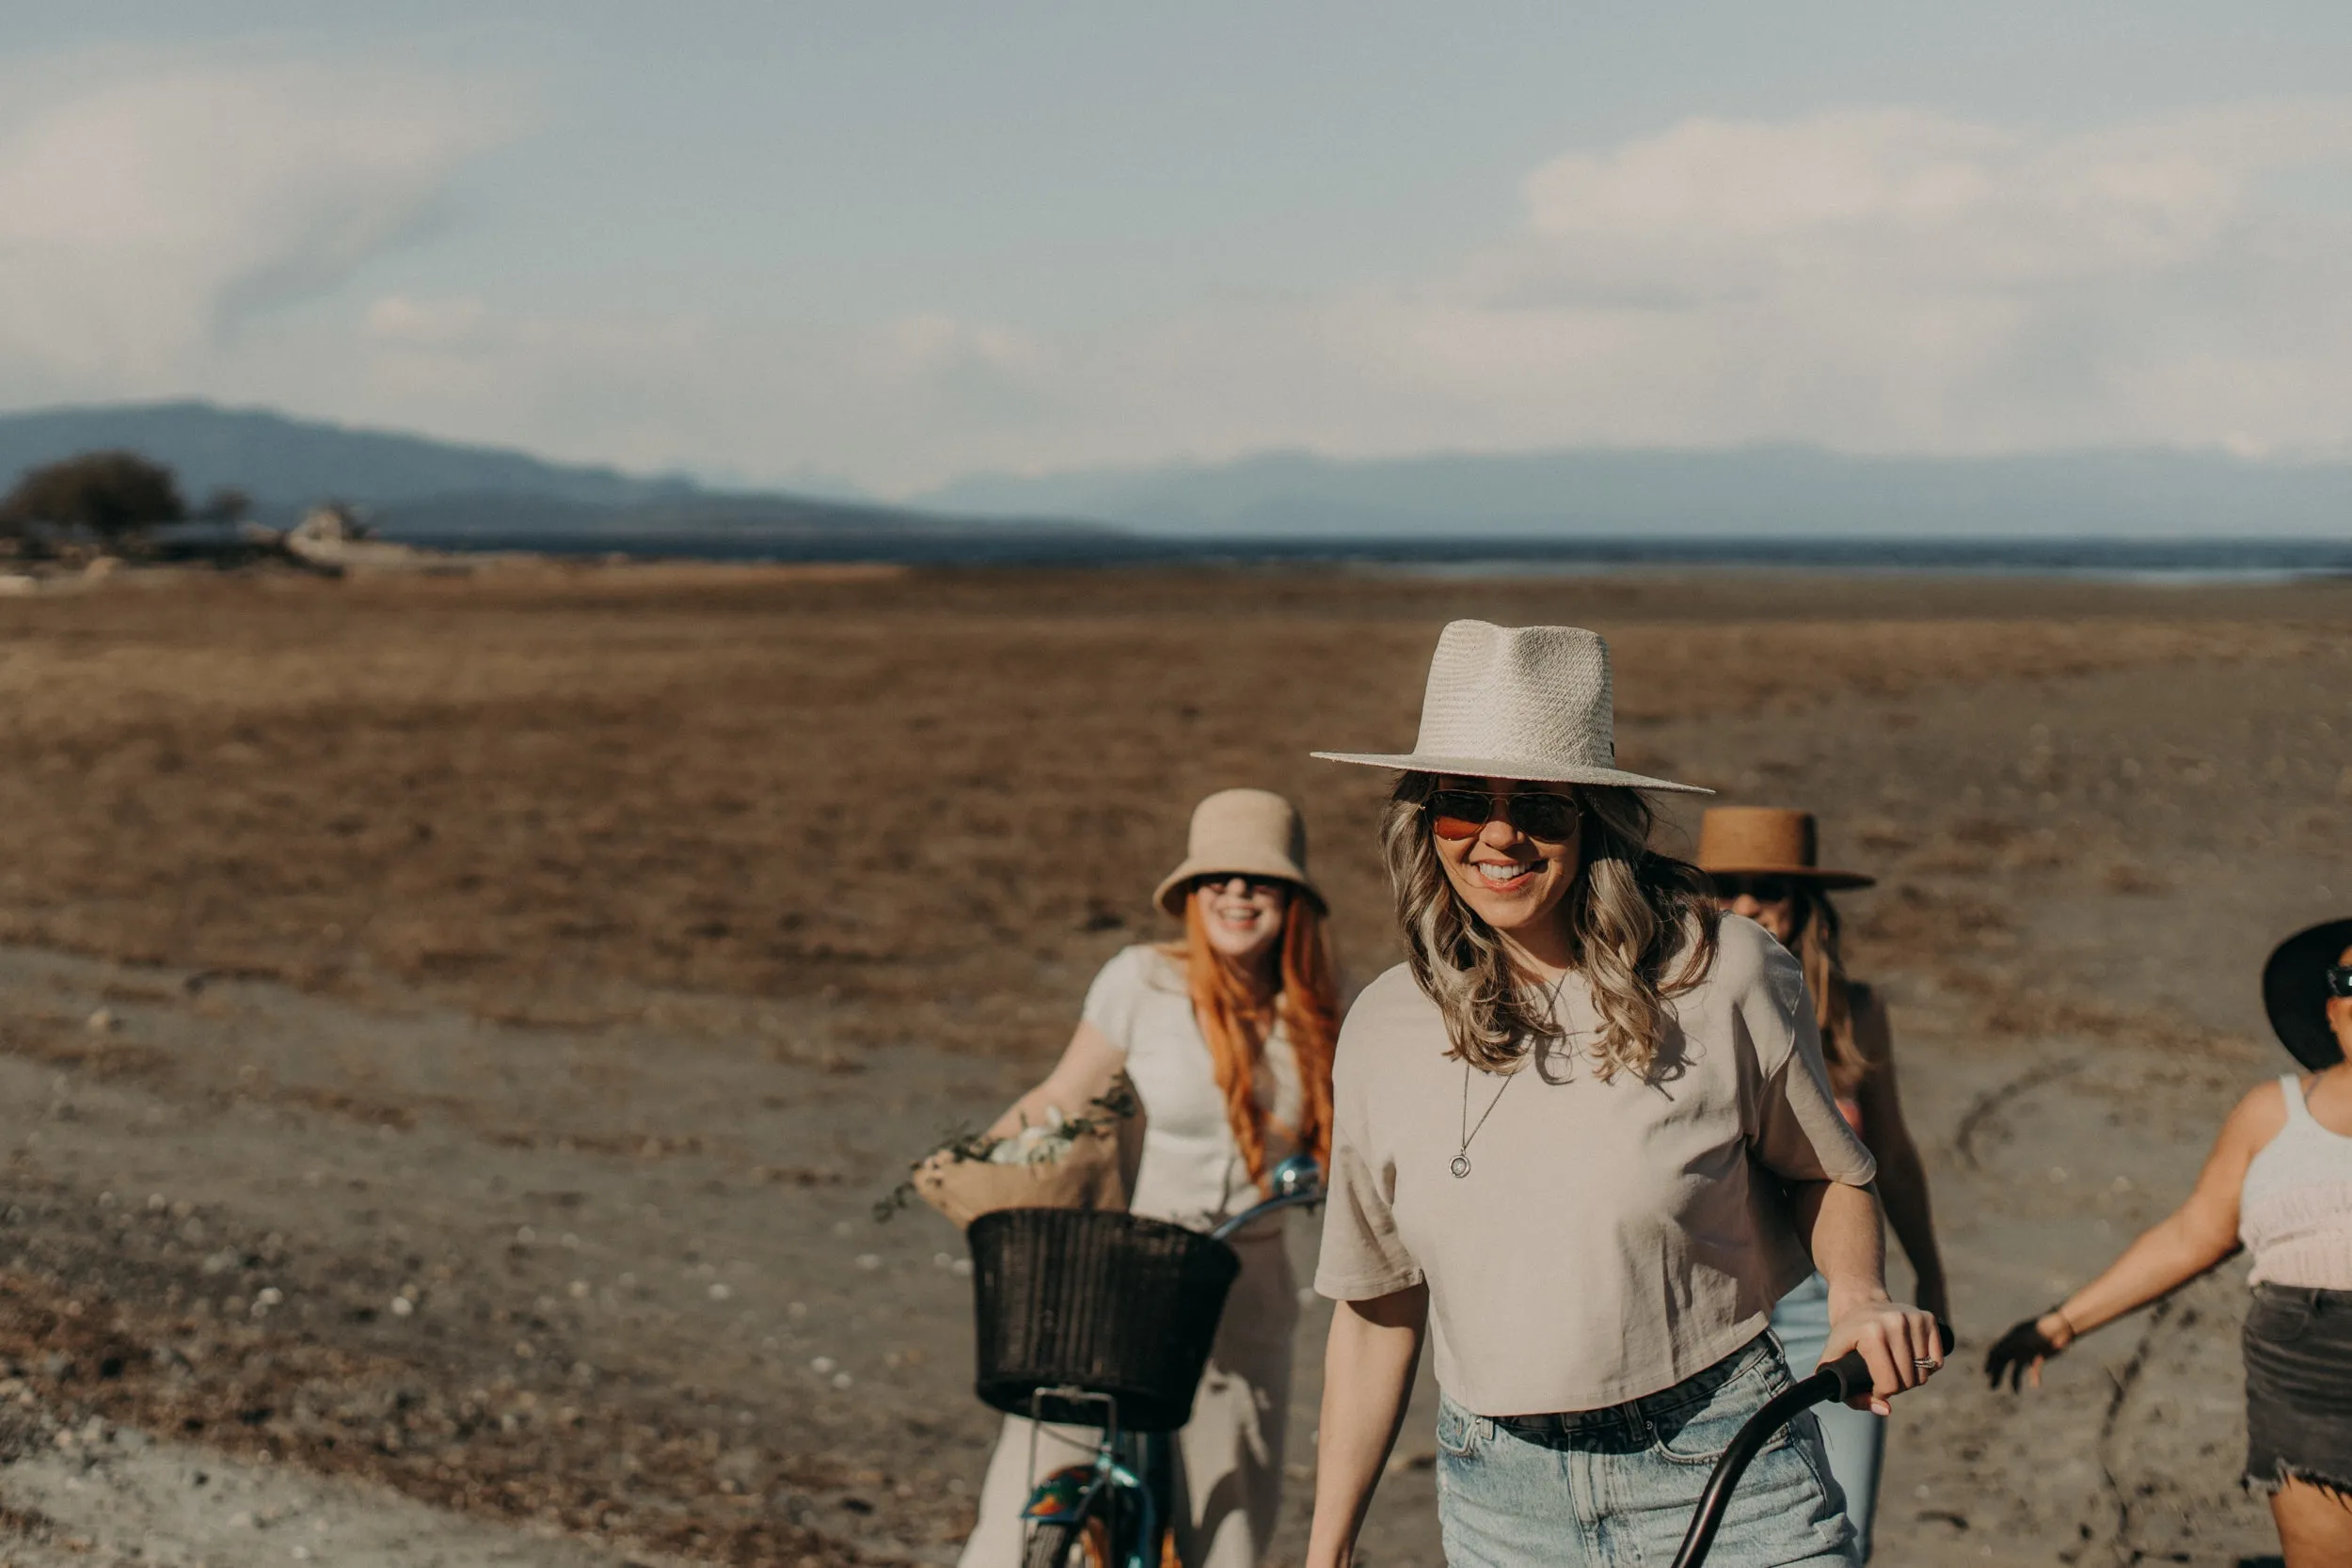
point(2339, 980)
point(1764, 889)
point(1217, 881)
point(1465, 812)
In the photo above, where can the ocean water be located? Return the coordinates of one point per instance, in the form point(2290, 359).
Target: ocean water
point(2175, 561)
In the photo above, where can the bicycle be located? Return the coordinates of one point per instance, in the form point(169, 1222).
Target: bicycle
point(1839, 1380)
point(1098, 1319)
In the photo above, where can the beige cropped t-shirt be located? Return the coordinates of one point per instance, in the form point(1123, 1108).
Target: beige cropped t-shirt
point(1611, 1238)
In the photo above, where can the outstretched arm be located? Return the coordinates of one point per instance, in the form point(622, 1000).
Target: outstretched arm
point(1083, 1076)
point(1903, 1181)
point(1368, 1367)
point(2199, 1234)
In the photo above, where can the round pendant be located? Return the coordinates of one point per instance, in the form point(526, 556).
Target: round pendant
point(1461, 1165)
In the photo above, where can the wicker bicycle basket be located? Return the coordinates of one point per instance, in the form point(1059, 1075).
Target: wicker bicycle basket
point(1098, 1300)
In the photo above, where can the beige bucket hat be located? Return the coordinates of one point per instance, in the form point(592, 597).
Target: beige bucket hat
point(1253, 831)
point(1767, 841)
point(1530, 702)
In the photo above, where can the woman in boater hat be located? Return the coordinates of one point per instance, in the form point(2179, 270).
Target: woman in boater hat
point(2278, 1184)
point(1583, 1137)
point(1227, 1035)
point(1765, 863)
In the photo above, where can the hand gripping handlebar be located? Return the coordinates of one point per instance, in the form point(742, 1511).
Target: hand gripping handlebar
point(1842, 1379)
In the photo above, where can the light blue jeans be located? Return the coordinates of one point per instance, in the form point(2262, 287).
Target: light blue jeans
point(1856, 1438)
point(1616, 1488)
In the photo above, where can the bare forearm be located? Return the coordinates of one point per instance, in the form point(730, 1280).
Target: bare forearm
point(1849, 1241)
point(1085, 1073)
point(1903, 1188)
point(1368, 1367)
point(2161, 1261)
point(1031, 1110)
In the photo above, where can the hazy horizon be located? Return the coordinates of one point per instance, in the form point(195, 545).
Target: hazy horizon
point(1759, 491)
point(806, 246)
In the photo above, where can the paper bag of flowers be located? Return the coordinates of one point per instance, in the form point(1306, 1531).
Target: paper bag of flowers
point(1084, 1162)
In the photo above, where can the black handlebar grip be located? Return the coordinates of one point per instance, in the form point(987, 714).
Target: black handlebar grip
point(1853, 1373)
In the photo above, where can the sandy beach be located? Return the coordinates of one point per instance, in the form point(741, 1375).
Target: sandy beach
point(454, 1029)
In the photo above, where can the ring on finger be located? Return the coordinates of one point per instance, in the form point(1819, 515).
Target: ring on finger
point(1920, 1366)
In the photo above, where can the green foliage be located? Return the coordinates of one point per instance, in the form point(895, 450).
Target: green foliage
point(112, 495)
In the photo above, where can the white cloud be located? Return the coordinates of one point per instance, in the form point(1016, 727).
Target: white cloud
point(1881, 279)
point(1872, 280)
point(152, 208)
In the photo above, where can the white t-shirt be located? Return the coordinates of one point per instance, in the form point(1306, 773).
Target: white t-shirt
point(1610, 1239)
point(1193, 1172)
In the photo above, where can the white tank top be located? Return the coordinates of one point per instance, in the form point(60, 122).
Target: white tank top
point(2294, 1212)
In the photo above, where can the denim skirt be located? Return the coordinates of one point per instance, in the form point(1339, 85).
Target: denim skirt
point(2298, 1387)
point(1616, 1488)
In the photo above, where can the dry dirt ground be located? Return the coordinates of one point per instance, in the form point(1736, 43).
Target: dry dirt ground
point(452, 1031)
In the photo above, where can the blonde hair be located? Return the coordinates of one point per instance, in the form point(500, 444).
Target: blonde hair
point(1642, 926)
point(1235, 1023)
point(1816, 944)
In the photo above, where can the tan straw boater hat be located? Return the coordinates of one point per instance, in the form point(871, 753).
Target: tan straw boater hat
point(1528, 703)
point(1253, 831)
point(1767, 841)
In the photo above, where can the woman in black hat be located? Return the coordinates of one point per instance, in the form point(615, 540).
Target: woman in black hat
point(2279, 1184)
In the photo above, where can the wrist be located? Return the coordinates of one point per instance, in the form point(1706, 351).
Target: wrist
point(1845, 1300)
point(2057, 1328)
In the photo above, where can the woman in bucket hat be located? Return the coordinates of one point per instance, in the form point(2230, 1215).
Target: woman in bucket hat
point(2278, 1184)
point(1765, 863)
point(1227, 1035)
point(1582, 1138)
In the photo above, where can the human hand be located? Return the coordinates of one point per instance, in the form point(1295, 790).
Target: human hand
point(1902, 1345)
point(2019, 1353)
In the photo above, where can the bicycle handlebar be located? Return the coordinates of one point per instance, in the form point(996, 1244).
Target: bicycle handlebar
point(1298, 1179)
point(1841, 1379)
point(1256, 1212)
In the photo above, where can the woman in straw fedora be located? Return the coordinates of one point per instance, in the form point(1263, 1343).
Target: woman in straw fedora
point(2279, 1186)
point(1765, 865)
point(1582, 1137)
point(1227, 1034)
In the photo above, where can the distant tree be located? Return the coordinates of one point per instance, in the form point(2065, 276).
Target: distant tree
point(115, 496)
point(226, 504)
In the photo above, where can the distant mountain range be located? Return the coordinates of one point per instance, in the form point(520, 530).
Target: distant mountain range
point(286, 462)
point(1751, 492)
point(445, 492)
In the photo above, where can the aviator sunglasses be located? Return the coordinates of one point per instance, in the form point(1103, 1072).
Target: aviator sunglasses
point(2339, 980)
point(1465, 812)
point(1764, 889)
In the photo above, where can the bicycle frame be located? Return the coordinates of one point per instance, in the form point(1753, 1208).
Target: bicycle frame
point(1124, 1464)
point(1130, 1466)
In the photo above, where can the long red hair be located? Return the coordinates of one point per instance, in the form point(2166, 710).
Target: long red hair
point(1235, 1022)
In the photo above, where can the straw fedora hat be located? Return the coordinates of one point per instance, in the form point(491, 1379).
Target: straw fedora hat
point(1253, 831)
point(1767, 841)
point(2294, 992)
point(1527, 703)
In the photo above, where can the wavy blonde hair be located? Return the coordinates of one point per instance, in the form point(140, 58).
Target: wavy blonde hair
point(1642, 924)
point(1835, 997)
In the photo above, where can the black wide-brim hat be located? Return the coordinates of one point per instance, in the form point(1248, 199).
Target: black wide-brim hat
point(2294, 992)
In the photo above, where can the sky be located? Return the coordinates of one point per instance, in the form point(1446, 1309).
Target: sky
point(882, 246)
